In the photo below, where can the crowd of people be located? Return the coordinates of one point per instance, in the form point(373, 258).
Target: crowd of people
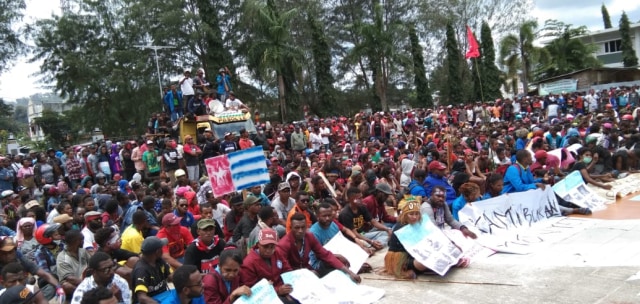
point(116, 221)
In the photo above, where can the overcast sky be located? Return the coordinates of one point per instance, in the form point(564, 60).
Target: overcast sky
point(19, 80)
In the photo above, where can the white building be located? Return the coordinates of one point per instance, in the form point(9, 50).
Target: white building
point(37, 104)
point(608, 43)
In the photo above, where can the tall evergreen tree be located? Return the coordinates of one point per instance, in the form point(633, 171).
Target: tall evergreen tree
point(490, 74)
point(420, 80)
point(454, 93)
point(605, 17)
point(322, 59)
point(477, 78)
point(215, 54)
point(629, 58)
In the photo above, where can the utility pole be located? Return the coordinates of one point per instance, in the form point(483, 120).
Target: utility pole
point(155, 49)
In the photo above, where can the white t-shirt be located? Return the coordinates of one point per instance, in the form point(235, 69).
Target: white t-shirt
point(470, 115)
point(316, 140)
point(323, 131)
point(89, 241)
point(552, 110)
point(235, 103)
point(592, 102)
point(216, 106)
point(187, 87)
point(219, 213)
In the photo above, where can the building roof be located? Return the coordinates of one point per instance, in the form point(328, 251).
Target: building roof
point(580, 71)
point(609, 30)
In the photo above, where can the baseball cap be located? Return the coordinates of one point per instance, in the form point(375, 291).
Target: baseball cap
point(170, 219)
point(540, 154)
point(62, 218)
point(283, 186)
point(6, 243)
point(179, 172)
point(149, 142)
point(207, 130)
point(227, 134)
point(250, 200)
point(267, 236)
point(384, 188)
point(205, 223)
point(91, 214)
point(31, 204)
point(153, 243)
point(18, 294)
point(6, 193)
point(436, 165)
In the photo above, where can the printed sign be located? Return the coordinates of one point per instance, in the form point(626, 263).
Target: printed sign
point(262, 293)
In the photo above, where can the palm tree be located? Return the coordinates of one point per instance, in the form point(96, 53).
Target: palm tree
point(519, 50)
point(269, 45)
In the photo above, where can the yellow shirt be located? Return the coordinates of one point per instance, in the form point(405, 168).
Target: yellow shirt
point(132, 240)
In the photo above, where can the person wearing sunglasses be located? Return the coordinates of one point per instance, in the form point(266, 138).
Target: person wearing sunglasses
point(102, 269)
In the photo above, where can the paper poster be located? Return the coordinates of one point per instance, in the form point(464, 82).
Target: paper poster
point(471, 249)
point(335, 288)
point(511, 211)
point(262, 293)
point(573, 189)
point(219, 172)
point(349, 250)
point(428, 245)
point(237, 171)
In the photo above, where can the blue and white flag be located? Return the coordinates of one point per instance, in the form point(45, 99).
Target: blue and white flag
point(248, 168)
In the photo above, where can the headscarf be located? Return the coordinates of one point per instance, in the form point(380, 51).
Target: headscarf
point(407, 166)
point(122, 185)
point(19, 234)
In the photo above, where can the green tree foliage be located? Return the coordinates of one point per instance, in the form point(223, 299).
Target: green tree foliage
point(12, 43)
point(55, 126)
point(490, 74)
point(322, 66)
point(215, 55)
point(454, 92)
point(423, 93)
point(269, 48)
point(565, 53)
point(6, 114)
point(517, 52)
point(605, 17)
point(629, 57)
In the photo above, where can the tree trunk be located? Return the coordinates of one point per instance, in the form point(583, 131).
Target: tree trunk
point(281, 99)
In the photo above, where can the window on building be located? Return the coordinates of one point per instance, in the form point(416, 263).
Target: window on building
point(612, 46)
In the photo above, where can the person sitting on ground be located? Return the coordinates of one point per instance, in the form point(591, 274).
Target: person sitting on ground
point(283, 202)
point(469, 193)
point(99, 295)
point(328, 226)
point(249, 221)
point(355, 215)
point(267, 218)
point(398, 262)
point(222, 286)
point(45, 256)
point(109, 242)
point(584, 164)
point(439, 214)
point(188, 286)
point(302, 205)
point(415, 187)
point(204, 251)
point(207, 213)
point(72, 262)
point(297, 245)
point(375, 204)
point(102, 273)
point(265, 262)
point(233, 217)
point(93, 222)
point(437, 178)
point(151, 273)
point(21, 294)
point(12, 275)
point(495, 183)
point(134, 235)
point(178, 236)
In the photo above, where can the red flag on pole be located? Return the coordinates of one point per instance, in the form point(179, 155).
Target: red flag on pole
point(474, 49)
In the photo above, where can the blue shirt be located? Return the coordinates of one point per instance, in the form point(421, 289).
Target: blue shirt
point(323, 236)
point(416, 189)
point(457, 205)
point(434, 180)
point(173, 298)
point(6, 179)
point(187, 219)
point(519, 179)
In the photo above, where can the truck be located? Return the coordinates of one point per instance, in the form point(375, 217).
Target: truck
point(220, 123)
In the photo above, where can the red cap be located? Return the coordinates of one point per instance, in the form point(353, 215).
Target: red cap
point(267, 236)
point(170, 219)
point(436, 165)
point(541, 154)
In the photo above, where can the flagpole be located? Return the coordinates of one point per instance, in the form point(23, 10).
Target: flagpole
point(475, 59)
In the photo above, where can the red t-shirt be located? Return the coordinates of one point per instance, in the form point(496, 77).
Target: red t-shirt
point(177, 244)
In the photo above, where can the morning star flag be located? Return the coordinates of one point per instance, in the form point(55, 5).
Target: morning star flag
point(237, 171)
point(474, 49)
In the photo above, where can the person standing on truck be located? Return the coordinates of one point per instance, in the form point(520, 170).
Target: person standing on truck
point(223, 80)
point(191, 154)
point(186, 86)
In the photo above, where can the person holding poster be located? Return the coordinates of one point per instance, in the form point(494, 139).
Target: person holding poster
point(398, 262)
point(298, 244)
point(437, 211)
point(222, 286)
point(584, 164)
point(264, 262)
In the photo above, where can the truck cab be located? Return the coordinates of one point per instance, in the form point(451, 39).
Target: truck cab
point(220, 123)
